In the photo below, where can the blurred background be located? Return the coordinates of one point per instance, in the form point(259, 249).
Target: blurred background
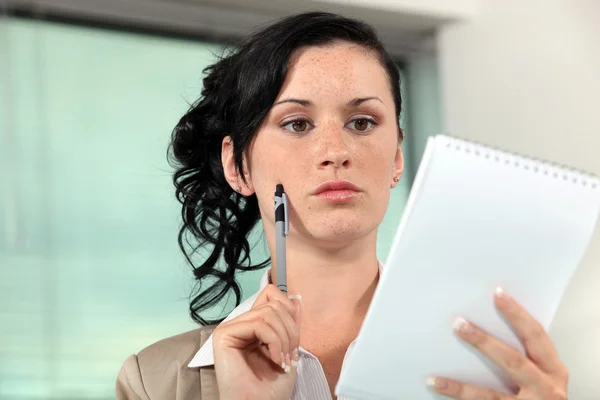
point(90, 271)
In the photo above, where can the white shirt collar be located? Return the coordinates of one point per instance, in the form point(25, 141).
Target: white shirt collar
point(204, 356)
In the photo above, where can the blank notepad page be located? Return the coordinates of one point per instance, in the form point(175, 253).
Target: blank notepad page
point(476, 218)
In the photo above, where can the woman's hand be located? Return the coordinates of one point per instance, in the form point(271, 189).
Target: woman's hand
point(256, 353)
point(539, 374)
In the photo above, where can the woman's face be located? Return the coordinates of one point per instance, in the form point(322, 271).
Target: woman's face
point(333, 121)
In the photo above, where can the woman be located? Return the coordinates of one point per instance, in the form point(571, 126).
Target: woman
point(311, 102)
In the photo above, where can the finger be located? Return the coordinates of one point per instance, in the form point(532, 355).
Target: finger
point(535, 339)
point(463, 391)
point(273, 314)
point(516, 364)
point(289, 321)
point(242, 334)
point(277, 316)
point(297, 300)
point(271, 292)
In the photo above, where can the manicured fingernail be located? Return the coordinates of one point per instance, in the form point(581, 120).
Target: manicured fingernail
point(430, 381)
point(295, 358)
point(436, 383)
point(462, 325)
point(501, 293)
point(287, 364)
point(295, 297)
point(283, 365)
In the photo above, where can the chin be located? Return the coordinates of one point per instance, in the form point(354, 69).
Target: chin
point(340, 225)
point(338, 231)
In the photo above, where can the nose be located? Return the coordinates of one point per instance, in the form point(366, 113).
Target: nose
point(333, 148)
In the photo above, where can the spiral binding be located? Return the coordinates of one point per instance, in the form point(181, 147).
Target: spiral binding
point(534, 165)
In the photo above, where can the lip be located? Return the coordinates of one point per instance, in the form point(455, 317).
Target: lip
point(337, 191)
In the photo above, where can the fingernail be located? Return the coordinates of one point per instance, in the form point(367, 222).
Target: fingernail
point(295, 358)
point(295, 297)
point(501, 293)
point(436, 383)
point(283, 364)
point(462, 325)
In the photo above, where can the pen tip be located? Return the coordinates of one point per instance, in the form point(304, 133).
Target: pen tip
point(279, 188)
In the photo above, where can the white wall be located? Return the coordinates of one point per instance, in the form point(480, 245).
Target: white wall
point(430, 8)
point(525, 76)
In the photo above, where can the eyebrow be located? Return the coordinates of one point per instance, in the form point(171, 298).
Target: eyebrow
point(307, 103)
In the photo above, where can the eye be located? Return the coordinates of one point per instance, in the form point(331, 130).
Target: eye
point(362, 124)
point(297, 125)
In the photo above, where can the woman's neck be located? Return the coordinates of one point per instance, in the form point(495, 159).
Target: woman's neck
point(335, 285)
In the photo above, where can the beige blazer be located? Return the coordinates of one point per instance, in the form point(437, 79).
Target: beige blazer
point(161, 372)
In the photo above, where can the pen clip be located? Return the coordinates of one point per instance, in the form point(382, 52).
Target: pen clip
point(286, 213)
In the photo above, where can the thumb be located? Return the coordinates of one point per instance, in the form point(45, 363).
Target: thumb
point(297, 302)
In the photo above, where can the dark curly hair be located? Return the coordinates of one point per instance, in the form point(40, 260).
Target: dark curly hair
point(238, 92)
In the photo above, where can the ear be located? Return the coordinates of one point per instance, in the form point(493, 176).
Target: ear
point(232, 175)
point(398, 167)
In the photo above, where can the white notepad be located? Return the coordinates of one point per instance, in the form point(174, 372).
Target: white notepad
point(476, 218)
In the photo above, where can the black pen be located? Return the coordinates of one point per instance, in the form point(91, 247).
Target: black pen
point(282, 229)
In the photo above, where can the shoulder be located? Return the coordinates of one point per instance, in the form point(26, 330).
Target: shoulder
point(161, 369)
point(177, 349)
